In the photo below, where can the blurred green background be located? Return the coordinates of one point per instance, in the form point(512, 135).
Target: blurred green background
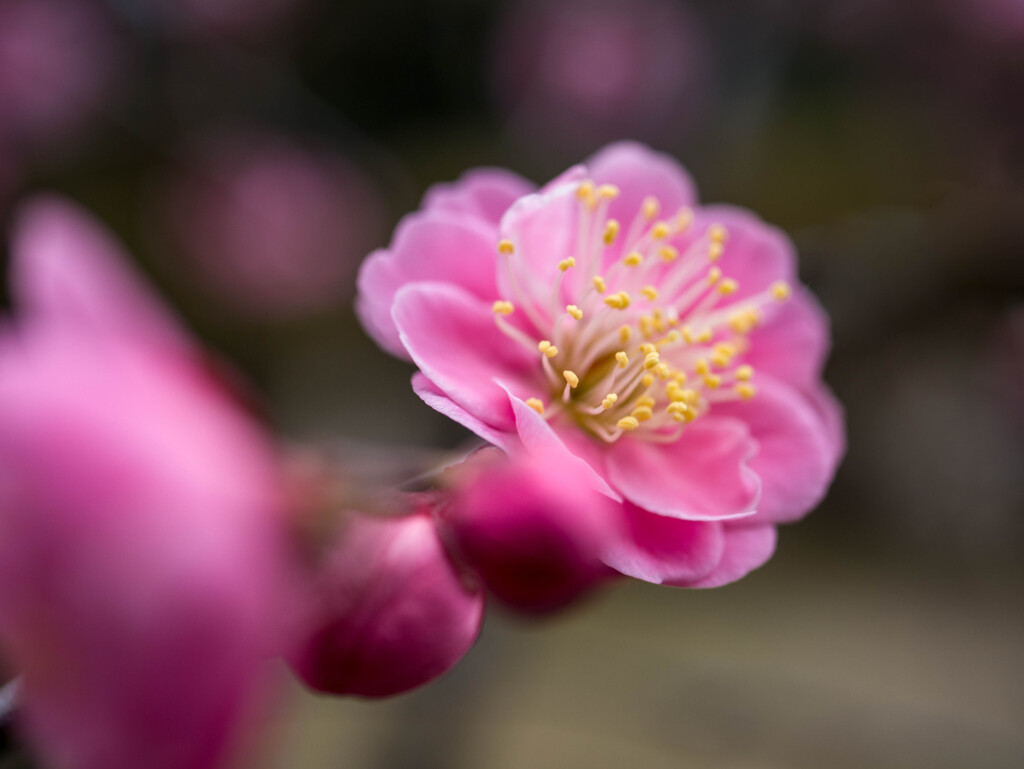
point(886, 137)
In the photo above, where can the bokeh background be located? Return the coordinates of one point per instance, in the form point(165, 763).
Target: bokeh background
point(251, 152)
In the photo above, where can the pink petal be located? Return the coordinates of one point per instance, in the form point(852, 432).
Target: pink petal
point(485, 193)
point(440, 246)
point(538, 437)
point(67, 270)
point(746, 548)
point(756, 253)
point(797, 451)
point(704, 476)
point(639, 172)
point(660, 549)
point(793, 344)
point(392, 611)
point(432, 395)
point(832, 417)
point(452, 337)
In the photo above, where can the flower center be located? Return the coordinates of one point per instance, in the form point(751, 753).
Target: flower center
point(640, 331)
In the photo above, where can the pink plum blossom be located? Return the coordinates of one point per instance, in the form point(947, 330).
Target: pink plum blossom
point(267, 226)
point(662, 347)
point(144, 579)
point(591, 70)
point(392, 611)
point(532, 528)
point(58, 67)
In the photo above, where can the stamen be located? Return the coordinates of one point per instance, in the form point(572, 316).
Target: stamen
point(745, 390)
point(668, 253)
point(565, 264)
point(506, 247)
point(608, 191)
point(625, 332)
point(650, 292)
point(628, 423)
point(585, 193)
point(599, 285)
point(549, 350)
point(728, 286)
point(574, 311)
point(611, 231)
point(780, 290)
point(745, 373)
point(609, 401)
point(717, 233)
point(641, 413)
point(571, 379)
point(536, 404)
point(503, 308)
point(660, 231)
point(651, 207)
point(622, 359)
point(633, 259)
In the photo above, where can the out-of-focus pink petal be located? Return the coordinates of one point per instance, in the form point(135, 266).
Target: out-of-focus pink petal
point(452, 337)
point(793, 345)
point(704, 476)
point(69, 272)
point(833, 419)
point(455, 248)
point(485, 193)
point(660, 549)
point(537, 437)
point(392, 611)
point(432, 395)
point(640, 172)
point(142, 580)
point(746, 548)
point(531, 526)
point(797, 451)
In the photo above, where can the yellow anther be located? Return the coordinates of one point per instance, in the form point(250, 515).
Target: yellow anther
point(536, 404)
point(566, 264)
point(714, 275)
point(679, 377)
point(574, 311)
point(642, 413)
point(745, 390)
point(506, 247)
point(744, 321)
point(609, 401)
point(618, 300)
point(632, 259)
point(720, 360)
point(611, 231)
point(672, 336)
point(702, 367)
point(668, 253)
point(571, 379)
point(628, 423)
point(608, 191)
point(622, 359)
point(715, 252)
point(547, 348)
point(649, 292)
point(645, 400)
point(586, 194)
point(647, 347)
point(625, 332)
point(677, 408)
point(651, 207)
point(663, 371)
point(687, 333)
point(646, 324)
point(651, 360)
point(647, 380)
point(780, 290)
point(712, 381)
point(717, 233)
point(684, 216)
point(723, 354)
point(599, 285)
point(728, 286)
point(503, 308)
point(660, 230)
point(745, 373)
point(704, 336)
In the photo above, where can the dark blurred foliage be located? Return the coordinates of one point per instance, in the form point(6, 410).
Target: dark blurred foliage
point(886, 136)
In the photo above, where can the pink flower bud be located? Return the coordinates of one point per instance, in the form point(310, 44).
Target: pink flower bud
point(392, 612)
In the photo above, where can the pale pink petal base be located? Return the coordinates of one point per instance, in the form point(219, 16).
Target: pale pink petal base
point(746, 548)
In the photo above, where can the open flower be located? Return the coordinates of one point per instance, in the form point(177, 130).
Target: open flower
point(144, 578)
point(663, 347)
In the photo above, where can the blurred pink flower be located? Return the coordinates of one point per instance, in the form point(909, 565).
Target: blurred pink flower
point(589, 71)
point(532, 528)
point(241, 19)
point(58, 66)
point(392, 611)
point(611, 319)
point(144, 581)
point(271, 228)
